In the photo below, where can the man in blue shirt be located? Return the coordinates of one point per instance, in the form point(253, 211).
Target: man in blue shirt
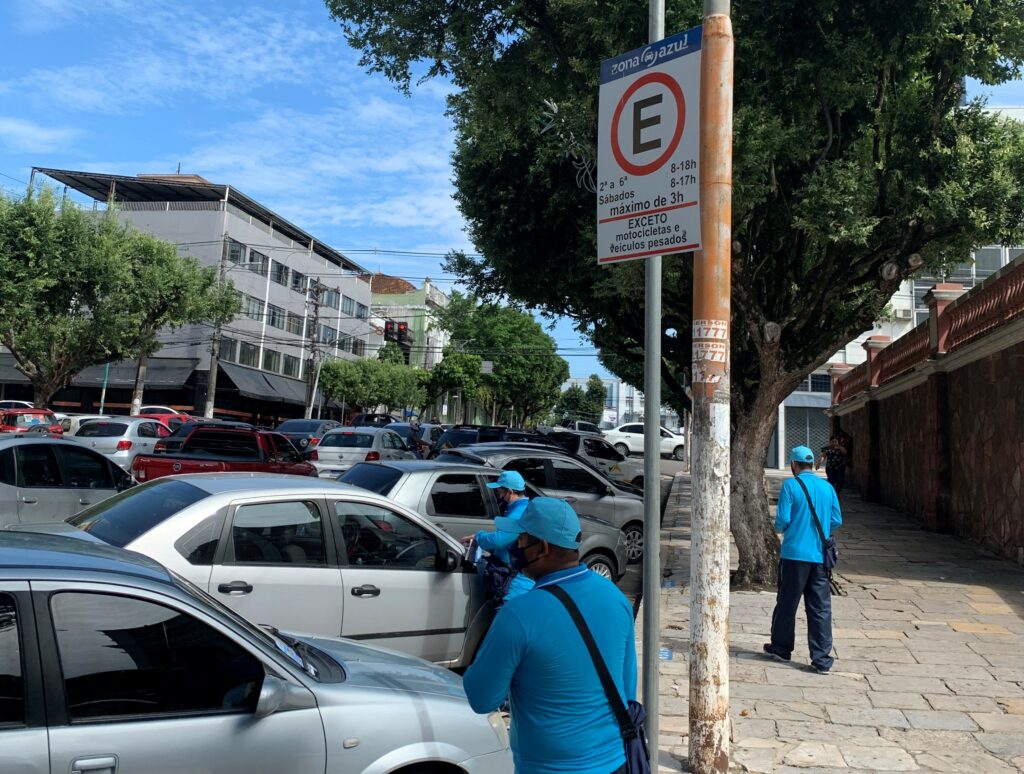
point(511, 492)
point(802, 571)
point(561, 720)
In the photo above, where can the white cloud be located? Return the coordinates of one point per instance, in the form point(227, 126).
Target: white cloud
point(21, 136)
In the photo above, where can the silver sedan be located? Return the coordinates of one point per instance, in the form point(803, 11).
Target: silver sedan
point(340, 449)
point(121, 439)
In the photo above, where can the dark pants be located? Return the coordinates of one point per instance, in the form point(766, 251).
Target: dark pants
point(810, 581)
point(836, 477)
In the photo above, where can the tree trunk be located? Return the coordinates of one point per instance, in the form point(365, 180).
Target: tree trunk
point(752, 525)
point(43, 391)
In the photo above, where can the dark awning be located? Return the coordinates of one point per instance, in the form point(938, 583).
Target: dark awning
point(8, 373)
point(253, 383)
point(161, 373)
point(290, 390)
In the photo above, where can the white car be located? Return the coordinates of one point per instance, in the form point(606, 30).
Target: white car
point(72, 422)
point(629, 439)
point(121, 439)
point(16, 404)
point(340, 449)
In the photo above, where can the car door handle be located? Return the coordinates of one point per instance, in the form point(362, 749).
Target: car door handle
point(105, 764)
point(83, 501)
point(235, 587)
point(570, 500)
point(366, 590)
point(29, 500)
point(442, 527)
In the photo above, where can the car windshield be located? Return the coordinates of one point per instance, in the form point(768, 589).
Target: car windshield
point(348, 440)
point(299, 426)
point(27, 420)
point(376, 478)
point(122, 518)
point(101, 429)
point(457, 438)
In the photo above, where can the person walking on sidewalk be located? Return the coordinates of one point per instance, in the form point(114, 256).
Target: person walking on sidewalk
point(834, 458)
point(802, 571)
point(562, 720)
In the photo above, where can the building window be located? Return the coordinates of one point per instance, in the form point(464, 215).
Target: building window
point(275, 316)
point(348, 306)
point(252, 307)
point(234, 251)
point(228, 349)
point(294, 324)
point(258, 263)
point(271, 360)
point(298, 281)
point(358, 347)
point(291, 366)
point(345, 343)
point(327, 334)
point(249, 354)
point(821, 383)
point(987, 261)
point(362, 311)
point(332, 298)
point(279, 273)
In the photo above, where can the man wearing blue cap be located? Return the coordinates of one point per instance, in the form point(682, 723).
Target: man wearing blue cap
point(534, 654)
point(802, 571)
point(511, 492)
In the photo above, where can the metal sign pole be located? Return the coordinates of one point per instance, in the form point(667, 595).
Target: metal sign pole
point(709, 567)
point(652, 460)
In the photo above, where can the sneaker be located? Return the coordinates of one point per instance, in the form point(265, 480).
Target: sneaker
point(773, 655)
point(819, 670)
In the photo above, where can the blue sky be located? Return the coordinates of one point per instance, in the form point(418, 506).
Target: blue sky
point(261, 95)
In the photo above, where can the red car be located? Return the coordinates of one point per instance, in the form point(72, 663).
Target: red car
point(29, 420)
point(165, 414)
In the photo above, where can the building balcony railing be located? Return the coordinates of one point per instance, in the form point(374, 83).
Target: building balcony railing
point(995, 303)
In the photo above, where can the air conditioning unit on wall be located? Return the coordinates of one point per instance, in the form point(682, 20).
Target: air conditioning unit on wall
point(904, 314)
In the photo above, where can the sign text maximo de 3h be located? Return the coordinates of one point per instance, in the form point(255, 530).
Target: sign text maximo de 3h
point(648, 178)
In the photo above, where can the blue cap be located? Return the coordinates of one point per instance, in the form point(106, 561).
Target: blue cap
point(801, 454)
point(509, 479)
point(547, 519)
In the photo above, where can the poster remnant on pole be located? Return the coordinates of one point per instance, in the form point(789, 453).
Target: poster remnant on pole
point(648, 186)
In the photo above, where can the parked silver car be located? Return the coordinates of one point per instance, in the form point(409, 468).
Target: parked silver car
point(456, 498)
point(340, 449)
point(111, 664)
point(121, 439)
point(558, 475)
point(44, 479)
point(306, 555)
point(71, 422)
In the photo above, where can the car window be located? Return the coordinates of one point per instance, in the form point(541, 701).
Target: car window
point(347, 440)
point(531, 468)
point(29, 420)
point(601, 450)
point(66, 424)
point(147, 430)
point(199, 544)
point(162, 431)
point(37, 466)
point(84, 469)
point(285, 451)
point(665, 433)
point(588, 427)
point(101, 429)
point(226, 443)
point(287, 532)
point(457, 495)
point(123, 658)
point(375, 536)
point(570, 477)
point(633, 429)
point(7, 475)
point(120, 519)
point(376, 478)
point(12, 688)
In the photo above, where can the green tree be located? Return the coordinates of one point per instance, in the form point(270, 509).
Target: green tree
point(572, 404)
point(855, 165)
point(457, 372)
point(596, 395)
point(82, 289)
point(391, 353)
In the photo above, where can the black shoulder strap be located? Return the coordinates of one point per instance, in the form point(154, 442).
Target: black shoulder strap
point(814, 516)
point(626, 727)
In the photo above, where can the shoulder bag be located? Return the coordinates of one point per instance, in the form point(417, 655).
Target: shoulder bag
point(631, 719)
point(830, 554)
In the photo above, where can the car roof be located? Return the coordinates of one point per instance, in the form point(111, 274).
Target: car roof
point(34, 551)
point(359, 429)
point(227, 483)
point(419, 466)
point(26, 410)
point(504, 449)
point(10, 439)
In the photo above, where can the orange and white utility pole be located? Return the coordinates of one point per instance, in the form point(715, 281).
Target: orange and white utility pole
point(712, 329)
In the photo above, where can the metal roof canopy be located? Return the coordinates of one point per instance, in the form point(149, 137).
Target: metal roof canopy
point(163, 189)
point(253, 383)
point(161, 373)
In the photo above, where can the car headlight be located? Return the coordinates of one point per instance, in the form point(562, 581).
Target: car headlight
point(497, 721)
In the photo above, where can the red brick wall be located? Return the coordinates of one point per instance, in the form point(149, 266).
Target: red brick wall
point(856, 424)
point(906, 443)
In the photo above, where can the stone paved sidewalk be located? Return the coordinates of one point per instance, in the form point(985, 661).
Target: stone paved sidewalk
point(929, 646)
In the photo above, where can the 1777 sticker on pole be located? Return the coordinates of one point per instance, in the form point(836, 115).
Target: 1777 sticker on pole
point(648, 179)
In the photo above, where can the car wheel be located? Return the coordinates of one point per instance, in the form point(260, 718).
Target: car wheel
point(679, 453)
point(634, 535)
point(622, 449)
point(602, 565)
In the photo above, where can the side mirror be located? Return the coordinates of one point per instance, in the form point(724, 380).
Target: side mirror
point(272, 694)
point(609, 491)
point(452, 561)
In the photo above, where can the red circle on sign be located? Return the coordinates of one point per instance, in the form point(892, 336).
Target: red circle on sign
point(677, 93)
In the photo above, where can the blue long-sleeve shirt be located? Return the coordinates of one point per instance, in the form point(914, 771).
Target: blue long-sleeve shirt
point(533, 653)
point(498, 543)
point(800, 539)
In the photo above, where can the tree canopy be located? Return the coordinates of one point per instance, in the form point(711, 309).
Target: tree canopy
point(82, 288)
point(370, 383)
point(856, 163)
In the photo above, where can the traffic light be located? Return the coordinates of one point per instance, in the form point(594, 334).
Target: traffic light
point(389, 330)
point(403, 332)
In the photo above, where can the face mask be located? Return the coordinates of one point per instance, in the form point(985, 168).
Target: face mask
point(517, 558)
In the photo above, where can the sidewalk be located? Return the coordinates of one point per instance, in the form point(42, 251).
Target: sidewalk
point(929, 646)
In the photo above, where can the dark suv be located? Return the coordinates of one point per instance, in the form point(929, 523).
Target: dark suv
point(464, 435)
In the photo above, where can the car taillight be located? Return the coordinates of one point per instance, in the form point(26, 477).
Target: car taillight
point(124, 445)
point(314, 441)
point(372, 456)
point(160, 446)
point(312, 456)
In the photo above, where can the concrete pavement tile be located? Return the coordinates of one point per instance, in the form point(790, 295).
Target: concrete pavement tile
point(1001, 744)
point(992, 608)
point(753, 741)
point(847, 634)
point(855, 666)
point(994, 647)
point(918, 740)
point(790, 710)
point(998, 721)
point(842, 696)
point(1018, 762)
point(928, 670)
point(862, 716)
point(747, 690)
point(884, 634)
point(819, 770)
point(820, 754)
point(991, 688)
point(901, 684)
point(954, 703)
point(943, 658)
point(674, 724)
point(940, 721)
point(878, 758)
point(907, 614)
point(978, 628)
point(1011, 706)
point(757, 727)
point(891, 654)
point(976, 763)
point(804, 679)
point(816, 731)
point(755, 759)
point(896, 700)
